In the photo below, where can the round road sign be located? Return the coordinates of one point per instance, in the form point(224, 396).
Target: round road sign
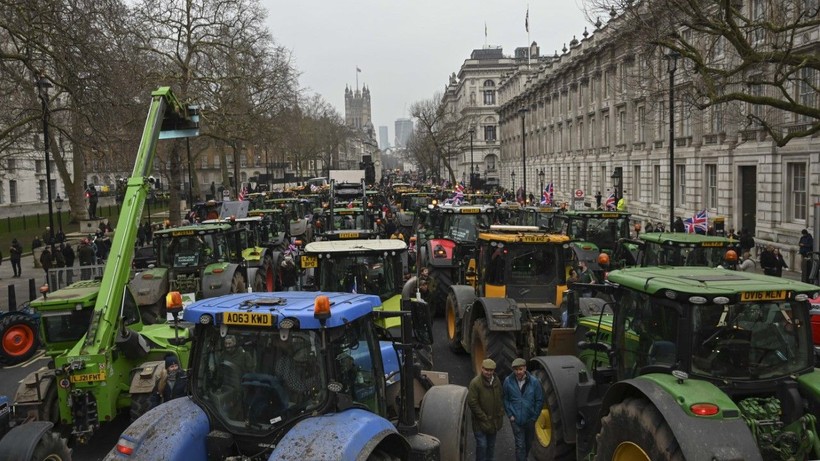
point(579, 193)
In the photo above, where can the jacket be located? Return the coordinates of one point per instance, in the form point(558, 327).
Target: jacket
point(523, 404)
point(486, 404)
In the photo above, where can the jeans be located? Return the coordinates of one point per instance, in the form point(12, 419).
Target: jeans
point(524, 436)
point(484, 446)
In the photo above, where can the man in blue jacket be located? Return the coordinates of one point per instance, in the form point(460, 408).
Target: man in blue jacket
point(523, 401)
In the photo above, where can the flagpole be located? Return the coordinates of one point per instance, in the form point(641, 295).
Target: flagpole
point(357, 79)
point(528, 36)
point(485, 35)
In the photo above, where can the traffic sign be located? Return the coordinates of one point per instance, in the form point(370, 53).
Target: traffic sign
point(579, 193)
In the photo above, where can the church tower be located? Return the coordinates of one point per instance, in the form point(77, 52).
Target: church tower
point(357, 107)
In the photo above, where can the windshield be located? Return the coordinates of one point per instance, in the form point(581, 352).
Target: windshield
point(348, 221)
point(371, 274)
point(527, 265)
point(464, 227)
point(540, 219)
point(670, 255)
point(193, 251)
point(603, 232)
point(749, 341)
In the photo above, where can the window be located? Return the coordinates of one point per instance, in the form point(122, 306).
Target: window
point(589, 179)
point(758, 92)
point(13, 191)
point(580, 135)
point(592, 82)
point(591, 132)
point(758, 16)
point(636, 182)
point(489, 98)
point(2, 193)
point(711, 186)
point(661, 127)
point(807, 93)
point(797, 191)
point(717, 119)
point(217, 160)
point(641, 123)
point(569, 101)
point(12, 164)
point(38, 166)
point(42, 193)
point(603, 178)
point(605, 84)
point(606, 131)
point(489, 83)
point(489, 133)
point(680, 185)
point(686, 122)
point(243, 160)
point(656, 183)
point(622, 127)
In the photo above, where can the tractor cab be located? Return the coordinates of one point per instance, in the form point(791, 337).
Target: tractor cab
point(542, 217)
point(677, 249)
point(602, 228)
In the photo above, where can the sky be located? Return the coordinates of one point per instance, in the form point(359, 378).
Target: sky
point(407, 49)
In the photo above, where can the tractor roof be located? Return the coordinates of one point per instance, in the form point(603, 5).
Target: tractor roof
point(250, 219)
point(194, 229)
point(595, 214)
point(349, 246)
point(705, 281)
point(269, 309)
point(521, 234)
point(466, 209)
point(677, 238)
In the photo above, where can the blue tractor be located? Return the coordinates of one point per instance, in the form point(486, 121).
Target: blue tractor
point(302, 376)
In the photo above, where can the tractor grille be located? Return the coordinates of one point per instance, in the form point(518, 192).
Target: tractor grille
point(185, 283)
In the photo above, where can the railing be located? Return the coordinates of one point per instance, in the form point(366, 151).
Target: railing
point(61, 277)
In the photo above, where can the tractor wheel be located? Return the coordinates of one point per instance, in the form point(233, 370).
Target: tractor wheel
point(140, 404)
point(496, 345)
point(549, 428)
point(154, 313)
point(18, 338)
point(635, 430)
point(50, 410)
point(440, 281)
point(454, 327)
point(238, 283)
point(51, 447)
point(443, 414)
point(271, 275)
point(380, 455)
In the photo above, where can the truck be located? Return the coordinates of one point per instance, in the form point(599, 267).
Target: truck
point(346, 176)
point(512, 309)
point(312, 384)
point(692, 363)
point(103, 357)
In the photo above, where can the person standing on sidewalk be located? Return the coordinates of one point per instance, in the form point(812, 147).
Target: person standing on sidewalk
point(523, 401)
point(15, 255)
point(485, 401)
point(46, 260)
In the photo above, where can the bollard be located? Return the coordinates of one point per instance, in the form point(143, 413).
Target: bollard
point(12, 299)
point(32, 290)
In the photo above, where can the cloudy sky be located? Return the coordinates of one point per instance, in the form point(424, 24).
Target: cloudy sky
point(407, 49)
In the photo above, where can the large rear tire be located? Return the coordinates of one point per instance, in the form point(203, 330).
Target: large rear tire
point(549, 427)
point(443, 415)
point(238, 283)
point(440, 281)
point(140, 404)
point(51, 447)
point(454, 326)
point(496, 345)
point(19, 339)
point(635, 430)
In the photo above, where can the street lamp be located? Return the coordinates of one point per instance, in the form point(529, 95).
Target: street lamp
point(541, 175)
point(512, 175)
point(523, 112)
point(671, 67)
point(59, 203)
point(42, 86)
point(472, 169)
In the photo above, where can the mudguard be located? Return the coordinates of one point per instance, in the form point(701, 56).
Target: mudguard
point(254, 256)
point(392, 304)
point(146, 377)
point(464, 296)
point(350, 435)
point(563, 372)
point(216, 279)
point(28, 392)
point(173, 431)
point(149, 286)
point(502, 314)
point(700, 439)
point(446, 260)
point(20, 442)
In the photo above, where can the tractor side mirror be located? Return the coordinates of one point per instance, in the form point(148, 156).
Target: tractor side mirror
point(422, 321)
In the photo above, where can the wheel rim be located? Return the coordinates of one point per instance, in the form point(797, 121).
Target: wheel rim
point(543, 428)
point(18, 340)
point(53, 457)
point(451, 321)
point(269, 285)
point(629, 451)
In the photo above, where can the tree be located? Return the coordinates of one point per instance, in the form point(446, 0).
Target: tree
point(442, 131)
point(753, 58)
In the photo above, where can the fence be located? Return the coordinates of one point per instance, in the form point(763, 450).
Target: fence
point(63, 276)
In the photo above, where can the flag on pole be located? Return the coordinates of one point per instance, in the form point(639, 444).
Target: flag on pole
point(243, 193)
point(546, 195)
point(527, 20)
point(610, 202)
point(699, 223)
point(485, 30)
point(357, 69)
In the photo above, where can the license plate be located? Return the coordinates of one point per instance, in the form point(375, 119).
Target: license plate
point(309, 262)
point(348, 235)
point(470, 210)
point(775, 295)
point(253, 319)
point(89, 378)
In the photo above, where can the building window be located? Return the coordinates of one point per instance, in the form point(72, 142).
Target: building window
point(636, 182)
point(641, 123)
point(661, 118)
point(489, 133)
point(656, 183)
point(489, 83)
point(606, 131)
point(621, 127)
point(758, 16)
point(591, 132)
point(2, 193)
point(38, 166)
point(590, 180)
point(13, 191)
point(12, 165)
point(717, 119)
point(808, 94)
point(711, 186)
point(756, 91)
point(605, 84)
point(489, 98)
point(580, 135)
point(603, 179)
point(797, 191)
point(41, 191)
point(680, 185)
point(243, 160)
point(686, 122)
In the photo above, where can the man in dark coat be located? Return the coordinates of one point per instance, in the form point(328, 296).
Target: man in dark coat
point(15, 254)
point(484, 396)
point(68, 255)
point(46, 261)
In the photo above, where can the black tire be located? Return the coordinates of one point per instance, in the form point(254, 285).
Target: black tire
point(140, 404)
point(496, 345)
point(549, 427)
point(51, 447)
point(634, 429)
point(19, 338)
point(380, 455)
point(270, 277)
point(454, 325)
point(50, 410)
point(443, 414)
point(154, 313)
point(238, 283)
point(440, 281)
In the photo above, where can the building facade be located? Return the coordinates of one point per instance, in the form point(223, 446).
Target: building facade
point(361, 143)
point(403, 129)
point(384, 140)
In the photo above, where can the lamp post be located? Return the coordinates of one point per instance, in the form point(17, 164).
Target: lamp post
point(58, 202)
point(42, 86)
point(672, 66)
point(512, 175)
point(523, 112)
point(472, 169)
point(541, 175)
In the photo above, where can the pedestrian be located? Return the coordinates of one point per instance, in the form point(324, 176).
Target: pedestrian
point(289, 272)
point(747, 264)
point(87, 257)
point(621, 206)
point(806, 243)
point(781, 263)
point(59, 259)
point(747, 242)
point(60, 237)
point(523, 401)
point(484, 396)
point(15, 255)
point(36, 243)
point(732, 235)
point(172, 382)
point(68, 255)
point(678, 226)
point(47, 236)
point(46, 261)
point(91, 193)
point(598, 198)
point(649, 227)
point(768, 261)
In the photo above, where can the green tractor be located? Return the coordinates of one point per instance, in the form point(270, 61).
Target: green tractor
point(676, 249)
point(693, 363)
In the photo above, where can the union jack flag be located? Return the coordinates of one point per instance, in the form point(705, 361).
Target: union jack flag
point(610, 202)
point(243, 193)
point(698, 222)
point(350, 204)
point(547, 194)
